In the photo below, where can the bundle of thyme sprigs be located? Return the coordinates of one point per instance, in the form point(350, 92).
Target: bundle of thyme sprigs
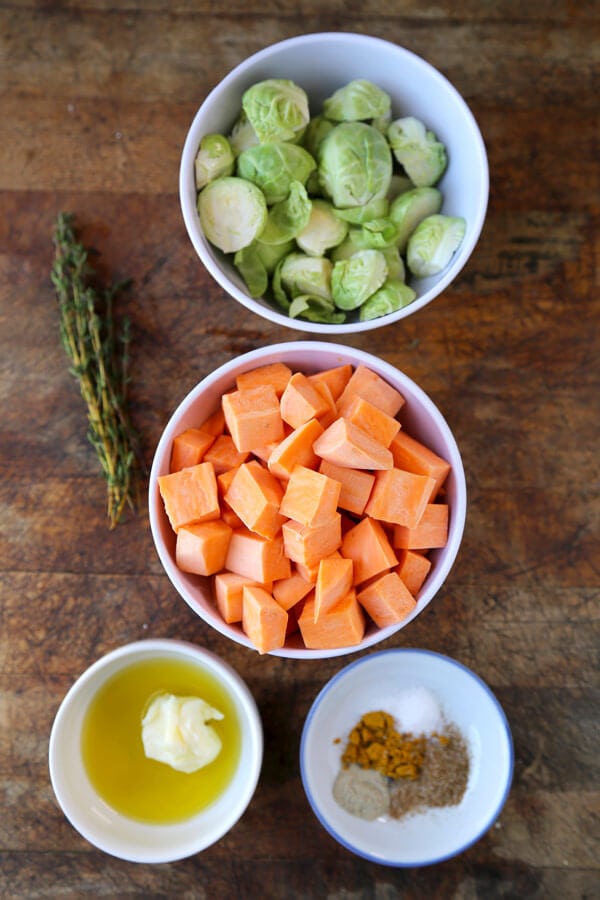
point(98, 349)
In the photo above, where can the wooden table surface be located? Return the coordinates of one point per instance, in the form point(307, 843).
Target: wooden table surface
point(96, 98)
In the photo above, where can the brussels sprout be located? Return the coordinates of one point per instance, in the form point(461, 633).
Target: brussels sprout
point(379, 233)
point(233, 212)
point(252, 269)
point(410, 208)
point(393, 295)
point(315, 309)
point(287, 218)
point(417, 150)
point(399, 184)
point(433, 243)
point(316, 131)
point(394, 263)
point(356, 101)
point(382, 123)
point(273, 167)
point(355, 279)
point(270, 254)
point(355, 164)
point(277, 109)
point(324, 230)
point(352, 243)
point(242, 135)
point(213, 159)
point(357, 215)
point(301, 274)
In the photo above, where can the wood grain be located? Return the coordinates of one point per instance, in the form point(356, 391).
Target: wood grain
point(96, 97)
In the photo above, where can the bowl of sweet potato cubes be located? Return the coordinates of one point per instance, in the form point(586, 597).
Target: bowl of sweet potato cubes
point(307, 499)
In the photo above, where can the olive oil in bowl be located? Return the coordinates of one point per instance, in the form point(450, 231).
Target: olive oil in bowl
point(113, 754)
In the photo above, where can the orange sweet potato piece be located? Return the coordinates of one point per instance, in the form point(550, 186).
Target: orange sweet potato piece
point(372, 387)
point(399, 497)
point(310, 498)
point(431, 531)
point(413, 456)
point(224, 455)
point(336, 378)
point(189, 447)
point(255, 495)
point(355, 485)
point(227, 590)
point(387, 600)
point(289, 591)
point(295, 450)
point(374, 421)
point(302, 401)
point(367, 545)
point(215, 424)
point(202, 548)
point(190, 495)
point(263, 619)
point(334, 580)
point(256, 557)
point(342, 626)
point(253, 417)
point(276, 374)
point(413, 568)
point(308, 544)
point(345, 444)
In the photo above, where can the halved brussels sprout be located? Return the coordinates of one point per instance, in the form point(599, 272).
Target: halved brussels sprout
point(315, 309)
point(357, 101)
point(273, 167)
point(412, 207)
point(324, 230)
point(213, 159)
point(417, 150)
point(353, 280)
point(286, 219)
point(393, 295)
point(433, 243)
point(233, 212)
point(252, 269)
point(298, 274)
point(242, 135)
point(358, 215)
point(277, 109)
point(355, 164)
point(316, 131)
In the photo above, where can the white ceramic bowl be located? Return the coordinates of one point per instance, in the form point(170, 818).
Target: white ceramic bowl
point(416, 89)
point(369, 683)
point(117, 834)
point(419, 416)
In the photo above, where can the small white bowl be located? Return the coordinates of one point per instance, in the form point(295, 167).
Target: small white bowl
point(369, 684)
point(117, 834)
point(420, 418)
point(416, 88)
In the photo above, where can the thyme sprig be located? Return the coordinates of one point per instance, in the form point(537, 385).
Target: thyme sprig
point(98, 349)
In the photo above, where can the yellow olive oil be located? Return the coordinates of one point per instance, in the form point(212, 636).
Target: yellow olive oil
point(113, 752)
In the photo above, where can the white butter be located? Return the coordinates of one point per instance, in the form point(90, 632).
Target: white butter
point(175, 732)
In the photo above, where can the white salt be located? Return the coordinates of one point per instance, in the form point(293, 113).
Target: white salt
point(415, 710)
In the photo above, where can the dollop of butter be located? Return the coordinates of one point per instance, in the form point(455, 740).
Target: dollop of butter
point(175, 732)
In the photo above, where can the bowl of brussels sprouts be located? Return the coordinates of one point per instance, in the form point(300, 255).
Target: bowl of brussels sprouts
point(337, 197)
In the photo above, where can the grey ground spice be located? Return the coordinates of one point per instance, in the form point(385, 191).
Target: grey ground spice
point(443, 777)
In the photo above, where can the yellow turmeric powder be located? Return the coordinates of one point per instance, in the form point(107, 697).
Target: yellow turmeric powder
point(374, 743)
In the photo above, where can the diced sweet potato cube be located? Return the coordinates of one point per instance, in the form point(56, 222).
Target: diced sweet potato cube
point(276, 374)
point(289, 591)
point(263, 619)
point(336, 378)
point(374, 421)
point(227, 589)
point(189, 448)
point(413, 568)
point(256, 557)
point(190, 495)
point(295, 450)
point(224, 455)
point(372, 387)
point(345, 444)
point(387, 600)
point(202, 548)
point(307, 544)
point(413, 456)
point(399, 497)
point(342, 626)
point(310, 497)
point(334, 580)
point(215, 424)
point(254, 495)
point(253, 417)
point(355, 485)
point(431, 531)
point(368, 547)
point(301, 401)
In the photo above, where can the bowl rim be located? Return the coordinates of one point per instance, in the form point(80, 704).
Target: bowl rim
point(263, 309)
point(283, 350)
point(236, 687)
point(495, 705)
